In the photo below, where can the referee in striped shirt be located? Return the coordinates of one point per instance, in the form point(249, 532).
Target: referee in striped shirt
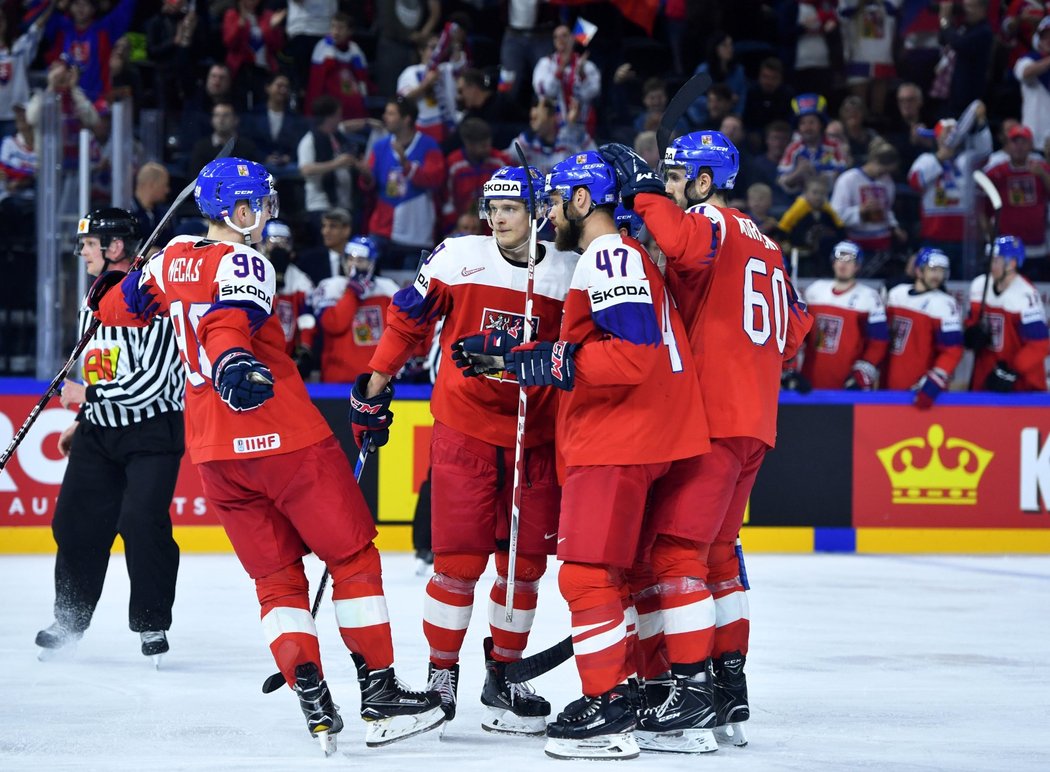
point(124, 450)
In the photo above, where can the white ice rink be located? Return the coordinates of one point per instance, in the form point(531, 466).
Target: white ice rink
point(857, 663)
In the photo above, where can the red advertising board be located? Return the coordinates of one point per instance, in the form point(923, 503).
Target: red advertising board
point(29, 483)
point(951, 467)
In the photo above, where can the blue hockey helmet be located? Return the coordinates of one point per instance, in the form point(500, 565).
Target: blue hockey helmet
point(711, 149)
point(847, 250)
point(1009, 248)
point(511, 182)
point(276, 229)
point(225, 181)
point(932, 258)
point(584, 170)
point(357, 251)
point(626, 218)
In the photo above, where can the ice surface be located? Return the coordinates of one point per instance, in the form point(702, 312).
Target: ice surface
point(857, 663)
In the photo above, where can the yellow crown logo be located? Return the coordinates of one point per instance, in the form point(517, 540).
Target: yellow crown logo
point(935, 483)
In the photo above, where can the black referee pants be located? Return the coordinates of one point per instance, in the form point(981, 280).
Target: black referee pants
point(119, 481)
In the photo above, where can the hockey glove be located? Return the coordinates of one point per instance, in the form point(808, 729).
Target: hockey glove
point(1002, 379)
point(482, 353)
point(359, 286)
point(370, 415)
point(243, 382)
point(977, 337)
point(633, 174)
point(929, 387)
point(304, 360)
point(862, 377)
point(106, 281)
point(793, 380)
point(543, 363)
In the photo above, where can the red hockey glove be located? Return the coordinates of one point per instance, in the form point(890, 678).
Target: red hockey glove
point(862, 377)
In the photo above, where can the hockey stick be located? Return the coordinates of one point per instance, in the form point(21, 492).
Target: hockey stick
point(691, 90)
point(276, 681)
point(523, 400)
point(528, 668)
point(55, 385)
point(988, 188)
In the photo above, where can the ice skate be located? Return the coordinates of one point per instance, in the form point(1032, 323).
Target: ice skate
point(393, 712)
point(444, 681)
point(154, 645)
point(594, 728)
point(57, 641)
point(424, 562)
point(683, 722)
point(512, 708)
point(322, 716)
point(730, 692)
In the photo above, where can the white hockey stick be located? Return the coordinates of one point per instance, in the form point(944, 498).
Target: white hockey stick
point(523, 400)
point(988, 188)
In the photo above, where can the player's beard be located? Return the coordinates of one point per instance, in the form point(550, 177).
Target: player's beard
point(567, 237)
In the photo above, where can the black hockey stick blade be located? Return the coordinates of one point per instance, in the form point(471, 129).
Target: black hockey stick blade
point(691, 90)
point(528, 668)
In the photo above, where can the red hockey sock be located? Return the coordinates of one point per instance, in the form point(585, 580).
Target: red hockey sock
point(448, 603)
point(685, 603)
point(599, 631)
point(360, 607)
point(286, 620)
point(732, 613)
point(650, 657)
point(509, 639)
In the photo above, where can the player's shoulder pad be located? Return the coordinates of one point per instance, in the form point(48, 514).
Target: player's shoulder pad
point(385, 287)
point(612, 272)
point(1024, 299)
point(712, 213)
point(977, 288)
point(446, 260)
point(943, 306)
point(245, 275)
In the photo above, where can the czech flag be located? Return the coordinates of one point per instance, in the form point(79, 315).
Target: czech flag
point(583, 31)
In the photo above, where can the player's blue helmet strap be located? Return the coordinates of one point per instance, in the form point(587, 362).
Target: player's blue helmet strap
point(587, 170)
point(225, 181)
point(511, 182)
point(711, 149)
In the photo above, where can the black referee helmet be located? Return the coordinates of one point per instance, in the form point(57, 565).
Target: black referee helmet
point(108, 223)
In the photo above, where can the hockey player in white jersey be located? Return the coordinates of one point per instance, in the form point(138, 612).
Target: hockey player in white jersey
point(477, 283)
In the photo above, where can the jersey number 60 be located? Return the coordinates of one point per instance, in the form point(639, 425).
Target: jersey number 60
point(756, 306)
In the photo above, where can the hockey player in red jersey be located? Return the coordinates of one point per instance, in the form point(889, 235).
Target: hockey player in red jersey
point(270, 467)
point(1008, 333)
point(849, 336)
point(292, 303)
point(925, 332)
point(478, 283)
point(738, 306)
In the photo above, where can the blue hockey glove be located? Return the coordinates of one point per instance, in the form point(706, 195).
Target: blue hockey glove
point(929, 387)
point(483, 352)
point(543, 363)
point(633, 174)
point(371, 415)
point(243, 382)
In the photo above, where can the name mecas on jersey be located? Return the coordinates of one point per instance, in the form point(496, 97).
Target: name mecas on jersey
point(847, 326)
point(925, 332)
point(220, 295)
point(467, 281)
point(1016, 321)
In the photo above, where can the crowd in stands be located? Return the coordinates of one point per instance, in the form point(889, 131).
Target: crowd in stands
point(858, 119)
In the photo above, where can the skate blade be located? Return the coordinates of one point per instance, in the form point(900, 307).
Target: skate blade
point(608, 746)
point(327, 740)
point(60, 654)
point(156, 660)
point(677, 741)
point(731, 734)
point(385, 731)
point(500, 721)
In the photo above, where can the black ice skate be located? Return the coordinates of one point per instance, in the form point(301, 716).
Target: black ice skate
point(394, 713)
point(731, 698)
point(322, 716)
point(57, 640)
point(595, 728)
point(154, 644)
point(513, 708)
point(444, 681)
point(683, 722)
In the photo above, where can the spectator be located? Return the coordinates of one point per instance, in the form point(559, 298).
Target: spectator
point(1023, 182)
point(276, 129)
point(402, 26)
point(853, 115)
point(477, 98)
point(719, 105)
point(175, 43)
point(224, 125)
point(326, 260)
point(908, 135)
point(645, 144)
point(759, 204)
point(325, 161)
point(869, 31)
point(77, 111)
point(565, 77)
point(812, 154)
point(307, 24)
point(18, 159)
point(252, 41)
point(407, 169)
point(196, 115)
point(149, 202)
point(338, 67)
point(1033, 72)
point(16, 55)
point(124, 78)
point(88, 42)
point(962, 72)
point(524, 43)
point(777, 138)
point(545, 143)
point(468, 224)
point(813, 37)
point(944, 179)
point(469, 168)
point(723, 68)
point(768, 99)
point(812, 227)
point(747, 174)
point(432, 85)
point(654, 100)
point(863, 198)
point(1020, 23)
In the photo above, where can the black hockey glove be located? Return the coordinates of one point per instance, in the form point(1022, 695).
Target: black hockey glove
point(793, 380)
point(243, 382)
point(106, 281)
point(862, 377)
point(304, 360)
point(976, 337)
point(544, 363)
point(1002, 379)
point(482, 353)
point(371, 415)
point(633, 174)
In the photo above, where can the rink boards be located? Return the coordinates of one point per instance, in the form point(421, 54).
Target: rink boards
point(851, 473)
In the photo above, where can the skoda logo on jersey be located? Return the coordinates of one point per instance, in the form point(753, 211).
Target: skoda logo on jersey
point(497, 188)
